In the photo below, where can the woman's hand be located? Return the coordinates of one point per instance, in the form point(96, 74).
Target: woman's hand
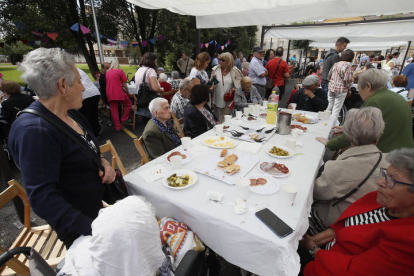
point(322, 140)
point(109, 175)
point(307, 242)
point(337, 130)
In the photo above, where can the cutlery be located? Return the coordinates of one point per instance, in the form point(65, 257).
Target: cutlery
point(260, 140)
point(260, 130)
point(253, 116)
point(270, 130)
point(245, 128)
point(235, 133)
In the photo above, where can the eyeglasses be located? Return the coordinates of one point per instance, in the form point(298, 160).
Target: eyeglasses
point(223, 60)
point(391, 181)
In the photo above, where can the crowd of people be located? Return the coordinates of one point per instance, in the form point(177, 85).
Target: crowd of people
point(363, 210)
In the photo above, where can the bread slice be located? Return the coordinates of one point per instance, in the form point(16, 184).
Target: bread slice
point(223, 153)
point(232, 169)
point(222, 164)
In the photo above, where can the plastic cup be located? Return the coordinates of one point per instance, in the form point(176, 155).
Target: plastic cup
point(239, 115)
point(289, 194)
point(295, 133)
point(251, 109)
point(176, 161)
point(246, 111)
point(242, 187)
point(293, 105)
point(411, 93)
point(265, 103)
point(219, 130)
point(186, 143)
point(291, 142)
point(256, 110)
point(227, 119)
point(327, 114)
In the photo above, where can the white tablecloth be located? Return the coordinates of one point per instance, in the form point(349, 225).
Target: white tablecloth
point(244, 240)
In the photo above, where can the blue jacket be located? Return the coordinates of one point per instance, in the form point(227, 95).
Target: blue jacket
point(61, 180)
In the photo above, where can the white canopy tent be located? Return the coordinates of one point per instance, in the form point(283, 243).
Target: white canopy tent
point(363, 31)
point(361, 46)
point(234, 13)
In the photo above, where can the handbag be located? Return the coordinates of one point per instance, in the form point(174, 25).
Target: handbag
point(229, 95)
point(113, 191)
point(145, 93)
point(269, 83)
point(316, 225)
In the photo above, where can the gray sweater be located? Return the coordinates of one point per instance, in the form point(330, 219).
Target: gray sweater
point(331, 58)
point(241, 101)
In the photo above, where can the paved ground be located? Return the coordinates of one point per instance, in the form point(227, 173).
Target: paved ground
point(131, 160)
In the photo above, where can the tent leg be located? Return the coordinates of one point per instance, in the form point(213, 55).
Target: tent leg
point(405, 56)
point(288, 52)
point(197, 41)
point(262, 37)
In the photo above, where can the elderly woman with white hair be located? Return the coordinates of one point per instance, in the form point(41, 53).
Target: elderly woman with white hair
point(229, 78)
point(247, 94)
point(354, 173)
point(374, 235)
point(373, 89)
point(175, 82)
point(162, 79)
point(159, 134)
point(63, 181)
point(117, 93)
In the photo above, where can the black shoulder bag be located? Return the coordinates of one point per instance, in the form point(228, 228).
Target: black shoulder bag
point(113, 191)
point(145, 93)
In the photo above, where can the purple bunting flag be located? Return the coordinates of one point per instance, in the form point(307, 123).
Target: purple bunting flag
point(84, 29)
point(144, 43)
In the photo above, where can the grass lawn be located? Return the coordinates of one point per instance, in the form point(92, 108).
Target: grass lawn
point(11, 73)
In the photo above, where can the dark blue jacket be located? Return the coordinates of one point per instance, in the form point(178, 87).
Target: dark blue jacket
point(61, 180)
point(195, 123)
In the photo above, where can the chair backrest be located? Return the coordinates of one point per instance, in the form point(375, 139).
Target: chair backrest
point(177, 125)
point(15, 189)
point(116, 160)
point(139, 145)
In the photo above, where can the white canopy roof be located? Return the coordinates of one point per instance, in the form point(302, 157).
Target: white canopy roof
point(233, 13)
point(361, 46)
point(399, 30)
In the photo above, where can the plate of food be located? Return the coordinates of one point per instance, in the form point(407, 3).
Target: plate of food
point(263, 184)
point(306, 119)
point(274, 169)
point(280, 151)
point(263, 115)
point(187, 157)
point(227, 165)
point(298, 127)
point(180, 179)
point(250, 119)
point(219, 142)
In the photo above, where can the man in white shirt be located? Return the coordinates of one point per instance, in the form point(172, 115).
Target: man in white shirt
point(257, 71)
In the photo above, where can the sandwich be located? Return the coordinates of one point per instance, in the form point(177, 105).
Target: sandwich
point(232, 169)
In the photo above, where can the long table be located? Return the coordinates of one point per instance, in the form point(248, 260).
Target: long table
point(243, 240)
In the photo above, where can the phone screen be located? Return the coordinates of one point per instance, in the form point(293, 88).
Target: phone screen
point(274, 223)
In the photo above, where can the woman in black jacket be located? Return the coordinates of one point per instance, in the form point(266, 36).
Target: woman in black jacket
point(198, 117)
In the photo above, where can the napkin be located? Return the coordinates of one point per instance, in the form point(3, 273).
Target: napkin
point(249, 147)
point(152, 174)
point(214, 196)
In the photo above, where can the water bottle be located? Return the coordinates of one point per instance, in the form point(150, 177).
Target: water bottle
point(272, 105)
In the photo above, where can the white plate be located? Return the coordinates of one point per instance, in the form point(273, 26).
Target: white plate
point(289, 150)
point(185, 161)
point(271, 187)
point(313, 119)
point(215, 145)
point(273, 175)
point(209, 166)
point(181, 172)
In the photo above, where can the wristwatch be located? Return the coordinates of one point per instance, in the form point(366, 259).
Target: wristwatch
point(312, 250)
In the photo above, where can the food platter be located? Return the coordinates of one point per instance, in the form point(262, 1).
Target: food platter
point(270, 187)
point(213, 166)
point(306, 119)
point(272, 174)
point(219, 142)
point(254, 119)
point(181, 172)
point(289, 150)
point(188, 156)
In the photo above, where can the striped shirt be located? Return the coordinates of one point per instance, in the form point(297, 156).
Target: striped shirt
point(374, 216)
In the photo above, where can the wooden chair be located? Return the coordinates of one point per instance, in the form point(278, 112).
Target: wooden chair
point(139, 145)
point(42, 238)
point(134, 110)
point(116, 160)
point(177, 125)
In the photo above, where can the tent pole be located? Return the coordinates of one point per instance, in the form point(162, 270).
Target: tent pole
point(405, 56)
point(262, 36)
point(288, 52)
point(197, 41)
point(98, 38)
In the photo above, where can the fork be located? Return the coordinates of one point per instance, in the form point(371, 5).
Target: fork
point(235, 133)
point(260, 130)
